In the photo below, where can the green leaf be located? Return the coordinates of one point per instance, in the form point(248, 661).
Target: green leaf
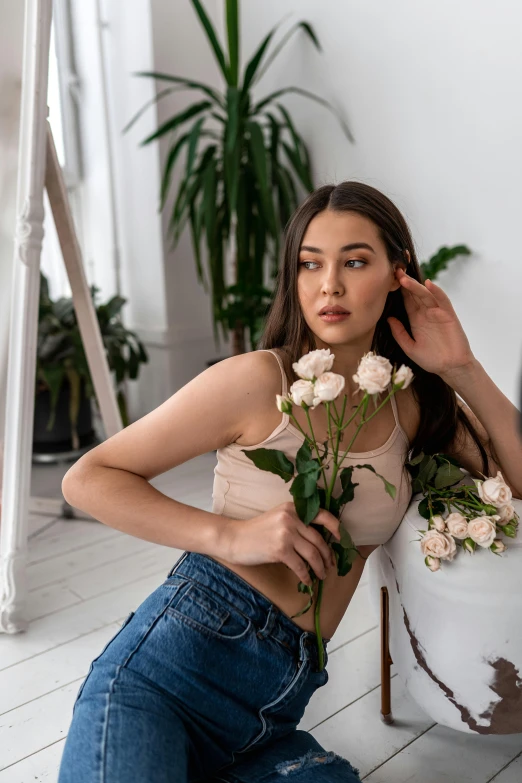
point(192, 147)
point(272, 460)
point(308, 29)
point(304, 485)
point(254, 62)
point(189, 84)
point(345, 552)
point(348, 486)
point(233, 39)
point(303, 458)
point(428, 468)
point(446, 476)
point(232, 126)
point(259, 158)
point(169, 163)
point(213, 39)
point(335, 506)
point(390, 488)
point(54, 377)
point(298, 167)
point(157, 97)
point(178, 119)
point(307, 508)
point(424, 509)
point(305, 93)
point(309, 590)
point(114, 306)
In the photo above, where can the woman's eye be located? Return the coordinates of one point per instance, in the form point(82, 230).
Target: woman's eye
point(350, 261)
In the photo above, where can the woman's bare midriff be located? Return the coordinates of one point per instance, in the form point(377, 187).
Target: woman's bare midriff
point(279, 584)
point(275, 580)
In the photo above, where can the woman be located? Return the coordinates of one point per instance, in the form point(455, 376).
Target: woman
point(209, 678)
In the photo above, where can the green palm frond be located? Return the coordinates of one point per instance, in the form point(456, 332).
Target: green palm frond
point(246, 169)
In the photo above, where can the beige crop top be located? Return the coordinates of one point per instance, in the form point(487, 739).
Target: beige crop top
point(242, 491)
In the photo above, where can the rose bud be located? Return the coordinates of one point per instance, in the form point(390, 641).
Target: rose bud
point(284, 404)
point(469, 545)
point(509, 530)
point(498, 546)
point(433, 563)
point(438, 523)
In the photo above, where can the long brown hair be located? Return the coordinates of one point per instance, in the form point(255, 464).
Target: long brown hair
point(286, 329)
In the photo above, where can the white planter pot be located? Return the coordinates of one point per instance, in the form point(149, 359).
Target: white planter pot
point(456, 634)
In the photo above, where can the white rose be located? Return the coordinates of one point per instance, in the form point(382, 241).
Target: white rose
point(494, 491)
point(438, 523)
point(433, 563)
point(457, 525)
point(314, 364)
point(506, 513)
point(498, 546)
point(328, 387)
point(439, 545)
point(373, 373)
point(302, 391)
point(284, 403)
point(404, 373)
point(482, 530)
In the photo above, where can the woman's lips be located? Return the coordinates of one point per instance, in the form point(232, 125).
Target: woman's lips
point(334, 318)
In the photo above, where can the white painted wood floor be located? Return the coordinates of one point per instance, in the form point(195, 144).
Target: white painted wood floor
point(85, 578)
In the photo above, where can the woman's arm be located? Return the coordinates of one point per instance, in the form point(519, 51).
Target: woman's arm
point(496, 420)
point(111, 482)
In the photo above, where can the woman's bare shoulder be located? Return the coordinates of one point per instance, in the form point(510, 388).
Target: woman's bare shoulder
point(265, 382)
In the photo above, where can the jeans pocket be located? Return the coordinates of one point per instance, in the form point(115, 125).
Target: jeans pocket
point(210, 613)
point(124, 624)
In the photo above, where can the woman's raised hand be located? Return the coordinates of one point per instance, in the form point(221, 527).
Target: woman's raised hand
point(279, 536)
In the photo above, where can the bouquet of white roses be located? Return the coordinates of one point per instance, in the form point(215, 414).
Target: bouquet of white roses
point(480, 513)
point(317, 385)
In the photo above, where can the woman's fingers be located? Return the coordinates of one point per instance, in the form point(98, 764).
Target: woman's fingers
point(298, 566)
point(312, 555)
point(316, 540)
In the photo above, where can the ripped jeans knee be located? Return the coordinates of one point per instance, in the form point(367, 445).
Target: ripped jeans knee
point(314, 761)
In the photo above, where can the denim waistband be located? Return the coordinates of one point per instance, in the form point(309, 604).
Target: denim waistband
point(267, 618)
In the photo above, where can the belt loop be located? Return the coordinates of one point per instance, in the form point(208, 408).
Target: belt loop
point(177, 564)
point(269, 624)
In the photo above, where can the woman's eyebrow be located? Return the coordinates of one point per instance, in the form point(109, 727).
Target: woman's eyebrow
point(353, 246)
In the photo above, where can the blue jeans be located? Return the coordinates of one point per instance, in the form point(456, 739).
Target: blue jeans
point(206, 681)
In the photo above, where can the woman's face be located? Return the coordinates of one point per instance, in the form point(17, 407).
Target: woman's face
point(357, 278)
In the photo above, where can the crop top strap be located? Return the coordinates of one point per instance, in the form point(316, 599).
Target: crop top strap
point(396, 415)
point(281, 367)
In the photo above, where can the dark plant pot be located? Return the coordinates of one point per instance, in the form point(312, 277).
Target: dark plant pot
point(59, 438)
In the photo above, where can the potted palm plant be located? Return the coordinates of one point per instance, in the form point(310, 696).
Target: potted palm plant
point(245, 165)
point(63, 388)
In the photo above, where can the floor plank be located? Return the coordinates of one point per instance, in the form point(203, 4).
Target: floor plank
point(68, 624)
point(40, 766)
point(510, 774)
point(358, 734)
point(443, 755)
point(37, 724)
point(53, 669)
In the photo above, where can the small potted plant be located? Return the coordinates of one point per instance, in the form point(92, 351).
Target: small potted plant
point(64, 388)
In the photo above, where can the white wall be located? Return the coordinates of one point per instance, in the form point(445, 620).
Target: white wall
point(430, 91)
point(166, 306)
point(137, 241)
point(181, 48)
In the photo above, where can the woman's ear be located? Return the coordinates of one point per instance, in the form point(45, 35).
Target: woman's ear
point(395, 282)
